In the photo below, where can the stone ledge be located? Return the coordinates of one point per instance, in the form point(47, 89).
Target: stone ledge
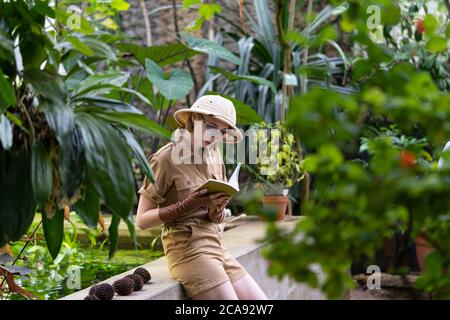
point(242, 242)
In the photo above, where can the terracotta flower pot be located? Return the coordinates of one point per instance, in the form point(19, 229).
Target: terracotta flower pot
point(423, 248)
point(277, 202)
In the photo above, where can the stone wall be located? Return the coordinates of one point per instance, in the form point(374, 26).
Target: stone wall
point(242, 243)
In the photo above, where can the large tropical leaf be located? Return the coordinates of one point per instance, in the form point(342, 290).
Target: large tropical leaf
point(71, 162)
point(41, 173)
point(173, 87)
point(60, 118)
point(52, 93)
point(113, 234)
point(54, 232)
point(88, 208)
point(162, 55)
point(108, 168)
point(16, 195)
point(46, 84)
point(209, 47)
point(138, 153)
point(135, 120)
point(92, 85)
point(131, 229)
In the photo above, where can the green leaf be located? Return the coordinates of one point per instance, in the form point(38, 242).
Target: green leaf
point(113, 235)
point(120, 5)
point(430, 23)
point(93, 85)
point(177, 84)
point(60, 118)
point(188, 3)
point(16, 195)
point(54, 232)
point(209, 47)
point(80, 46)
point(136, 121)
point(162, 55)
point(71, 19)
point(6, 132)
point(94, 102)
point(41, 173)
point(138, 153)
point(131, 230)
point(436, 44)
point(245, 115)
point(208, 10)
point(108, 168)
point(100, 49)
point(447, 31)
point(71, 162)
point(7, 96)
point(48, 85)
point(88, 208)
point(233, 77)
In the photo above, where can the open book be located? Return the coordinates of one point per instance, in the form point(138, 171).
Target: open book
point(230, 187)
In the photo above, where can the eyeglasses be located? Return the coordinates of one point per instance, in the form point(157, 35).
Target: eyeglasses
point(210, 126)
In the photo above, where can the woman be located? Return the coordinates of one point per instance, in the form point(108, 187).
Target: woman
point(192, 237)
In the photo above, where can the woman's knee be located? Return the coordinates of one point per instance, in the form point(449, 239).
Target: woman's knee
point(223, 291)
point(247, 288)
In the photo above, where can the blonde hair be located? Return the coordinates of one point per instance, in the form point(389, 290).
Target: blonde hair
point(189, 125)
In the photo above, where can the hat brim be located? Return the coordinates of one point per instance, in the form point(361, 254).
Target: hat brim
point(182, 115)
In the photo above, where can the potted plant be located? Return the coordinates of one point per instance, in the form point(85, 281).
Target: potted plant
point(278, 165)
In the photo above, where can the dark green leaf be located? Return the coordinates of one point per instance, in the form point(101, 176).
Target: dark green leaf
point(113, 234)
point(71, 162)
point(88, 208)
point(108, 163)
point(131, 230)
point(60, 118)
point(136, 121)
point(46, 84)
point(138, 153)
point(162, 55)
point(54, 232)
point(41, 173)
point(16, 195)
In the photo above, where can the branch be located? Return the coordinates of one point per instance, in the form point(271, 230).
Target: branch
point(148, 28)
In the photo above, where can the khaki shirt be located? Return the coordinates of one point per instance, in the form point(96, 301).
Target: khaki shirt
point(174, 182)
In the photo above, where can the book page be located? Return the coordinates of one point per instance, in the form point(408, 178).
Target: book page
point(234, 179)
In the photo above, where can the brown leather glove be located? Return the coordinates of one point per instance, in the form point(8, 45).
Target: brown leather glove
point(216, 217)
point(216, 211)
point(194, 201)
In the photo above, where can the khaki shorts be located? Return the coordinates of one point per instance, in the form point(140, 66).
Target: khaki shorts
point(197, 257)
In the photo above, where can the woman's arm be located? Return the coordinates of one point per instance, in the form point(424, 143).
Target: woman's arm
point(150, 215)
point(147, 214)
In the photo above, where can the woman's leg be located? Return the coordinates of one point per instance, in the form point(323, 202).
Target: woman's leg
point(246, 288)
point(224, 291)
